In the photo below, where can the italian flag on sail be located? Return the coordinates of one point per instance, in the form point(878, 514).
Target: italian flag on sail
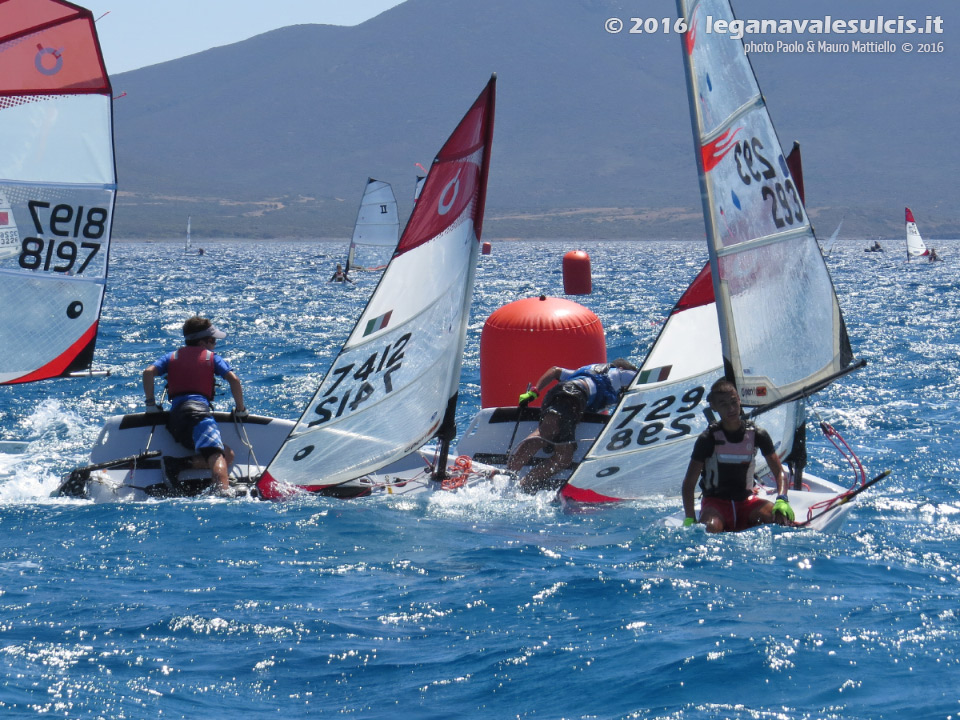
point(377, 323)
point(654, 375)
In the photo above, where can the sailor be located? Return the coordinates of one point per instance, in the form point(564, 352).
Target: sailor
point(723, 460)
point(589, 388)
point(340, 275)
point(191, 372)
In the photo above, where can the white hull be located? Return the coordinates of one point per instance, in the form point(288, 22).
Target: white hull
point(407, 477)
point(167, 471)
point(168, 474)
point(811, 502)
point(488, 440)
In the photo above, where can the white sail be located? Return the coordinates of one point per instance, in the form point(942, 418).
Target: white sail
point(57, 189)
point(832, 240)
point(645, 447)
point(915, 245)
point(377, 229)
point(770, 281)
point(396, 378)
point(187, 242)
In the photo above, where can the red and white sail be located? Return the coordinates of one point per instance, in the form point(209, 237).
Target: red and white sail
point(57, 188)
point(915, 245)
point(392, 383)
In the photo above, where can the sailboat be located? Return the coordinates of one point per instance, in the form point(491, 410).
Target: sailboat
point(765, 281)
point(391, 389)
point(377, 228)
point(916, 248)
point(58, 187)
point(394, 384)
point(832, 240)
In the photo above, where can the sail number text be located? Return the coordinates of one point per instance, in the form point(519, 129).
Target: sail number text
point(754, 168)
point(358, 384)
point(666, 418)
point(66, 224)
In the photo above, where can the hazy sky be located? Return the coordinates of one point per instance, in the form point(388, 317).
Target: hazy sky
point(136, 33)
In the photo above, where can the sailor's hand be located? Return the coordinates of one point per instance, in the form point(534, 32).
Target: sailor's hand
point(782, 508)
point(528, 397)
point(240, 414)
point(689, 522)
point(152, 407)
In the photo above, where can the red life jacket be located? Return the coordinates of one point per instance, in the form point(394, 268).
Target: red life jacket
point(191, 372)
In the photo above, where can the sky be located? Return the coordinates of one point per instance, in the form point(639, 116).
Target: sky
point(137, 33)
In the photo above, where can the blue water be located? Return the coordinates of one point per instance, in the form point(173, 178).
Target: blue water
point(476, 605)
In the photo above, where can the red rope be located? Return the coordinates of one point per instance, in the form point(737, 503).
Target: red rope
point(847, 453)
point(465, 467)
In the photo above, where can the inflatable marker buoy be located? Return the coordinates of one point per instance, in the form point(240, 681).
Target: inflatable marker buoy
point(485, 249)
point(522, 340)
point(576, 273)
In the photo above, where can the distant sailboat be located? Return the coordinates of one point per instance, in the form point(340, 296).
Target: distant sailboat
point(916, 248)
point(377, 229)
point(831, 241)
point(58, 187)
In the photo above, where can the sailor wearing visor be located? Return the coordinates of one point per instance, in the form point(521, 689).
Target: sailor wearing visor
point(191, 371)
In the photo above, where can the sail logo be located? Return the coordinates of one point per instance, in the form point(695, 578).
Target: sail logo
point(714, 151)
point(691, 39)
point(377, 323)
point(443, 206)
point(41, 63)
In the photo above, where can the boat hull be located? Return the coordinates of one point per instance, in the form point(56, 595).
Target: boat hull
point(811, 505)
point(149, 463)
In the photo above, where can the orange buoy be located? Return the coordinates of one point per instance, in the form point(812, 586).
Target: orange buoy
point(576, 273)
point(522, 340)
point(485, 249)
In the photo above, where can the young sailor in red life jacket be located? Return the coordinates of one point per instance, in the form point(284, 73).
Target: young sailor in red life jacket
point(590, 388)
point(190, 375)
point(723, 460)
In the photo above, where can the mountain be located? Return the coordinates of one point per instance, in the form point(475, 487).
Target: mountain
point(275, 136)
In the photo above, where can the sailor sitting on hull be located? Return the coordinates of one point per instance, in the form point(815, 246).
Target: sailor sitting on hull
point(191, 372)
point(723, 460)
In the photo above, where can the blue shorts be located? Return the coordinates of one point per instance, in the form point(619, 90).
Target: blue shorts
point(192, 425)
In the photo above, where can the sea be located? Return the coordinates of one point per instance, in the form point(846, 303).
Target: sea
point(480, 604)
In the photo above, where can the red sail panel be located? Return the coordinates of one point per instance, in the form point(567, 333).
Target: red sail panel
point(49, 47)
point(66, 362)
point(454, 180)
point(699, 293)
point(795, 164)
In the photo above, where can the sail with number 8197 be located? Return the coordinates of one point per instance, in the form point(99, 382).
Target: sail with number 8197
point(57, 188)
